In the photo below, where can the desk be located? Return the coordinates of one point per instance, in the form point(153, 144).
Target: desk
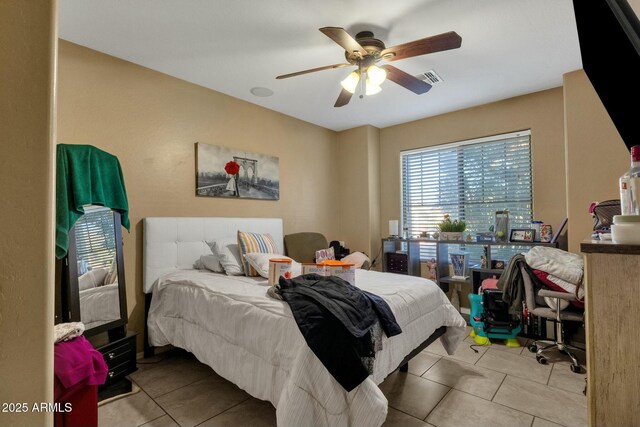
point(442, 259)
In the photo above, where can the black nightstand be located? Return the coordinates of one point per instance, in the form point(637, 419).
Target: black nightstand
point(120, 355)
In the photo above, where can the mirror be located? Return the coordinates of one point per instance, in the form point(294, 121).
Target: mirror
point(95, 271)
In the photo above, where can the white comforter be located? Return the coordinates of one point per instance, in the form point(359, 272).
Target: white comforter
point(230, 324)
point(99, 305)
point(565, 269)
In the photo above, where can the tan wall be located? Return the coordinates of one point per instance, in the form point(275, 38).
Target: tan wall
point(353, 192)
point(374, 191)
point(358, 193)
point(27, 110)
point(596, 155)
point(542, 112)
point(152, 121)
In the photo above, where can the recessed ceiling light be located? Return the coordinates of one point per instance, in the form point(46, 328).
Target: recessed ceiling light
point(262, 92)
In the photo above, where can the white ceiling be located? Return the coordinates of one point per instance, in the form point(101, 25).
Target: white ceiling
point(509, 48)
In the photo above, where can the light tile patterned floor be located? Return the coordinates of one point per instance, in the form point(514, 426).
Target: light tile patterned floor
point(498, 386)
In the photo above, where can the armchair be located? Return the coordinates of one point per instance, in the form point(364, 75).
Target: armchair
point(303, 246)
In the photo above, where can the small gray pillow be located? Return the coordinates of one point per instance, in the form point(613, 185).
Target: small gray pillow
point(211, 262)
point(228, 254)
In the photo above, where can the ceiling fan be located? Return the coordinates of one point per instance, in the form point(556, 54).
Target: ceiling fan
point(365, 51)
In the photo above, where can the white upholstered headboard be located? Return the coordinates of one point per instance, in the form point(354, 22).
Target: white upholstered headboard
point(175, 243)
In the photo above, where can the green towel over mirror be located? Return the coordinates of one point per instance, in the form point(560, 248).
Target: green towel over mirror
point(86, 175)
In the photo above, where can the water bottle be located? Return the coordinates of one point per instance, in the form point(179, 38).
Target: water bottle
point(630, 185)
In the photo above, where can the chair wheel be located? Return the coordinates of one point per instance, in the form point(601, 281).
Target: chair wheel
point(541, 359)
point(575, 368)
point(533, 348)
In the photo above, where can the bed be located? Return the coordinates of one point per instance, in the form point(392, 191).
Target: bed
point(251, 339)
point(99, 302)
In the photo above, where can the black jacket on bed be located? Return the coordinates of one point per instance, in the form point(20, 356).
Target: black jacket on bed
point(335, 319)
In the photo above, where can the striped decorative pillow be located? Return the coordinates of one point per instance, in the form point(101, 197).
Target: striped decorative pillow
point(254, 242)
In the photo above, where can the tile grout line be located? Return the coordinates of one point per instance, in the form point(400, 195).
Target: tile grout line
point(501, 382)
point(406, 413)
point(504, 406)
point(524, 412)
point(553, 366)
point(165, 413)
point(225, 410)
point(550, 365)
point(183, 386)
point(454, 388)
point(150, 421)
point(150, 398)
point(437, 404)
point(431, 367)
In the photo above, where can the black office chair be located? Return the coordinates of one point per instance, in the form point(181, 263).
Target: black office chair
point(537, 306)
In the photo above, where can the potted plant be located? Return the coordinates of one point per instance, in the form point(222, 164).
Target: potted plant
point(451, 230)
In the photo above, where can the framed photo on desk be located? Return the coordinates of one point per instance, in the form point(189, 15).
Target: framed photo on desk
point(522, 235)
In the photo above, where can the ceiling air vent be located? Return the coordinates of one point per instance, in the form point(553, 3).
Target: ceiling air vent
point(430, 77)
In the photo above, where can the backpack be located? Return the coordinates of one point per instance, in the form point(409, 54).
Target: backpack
point(603, 214)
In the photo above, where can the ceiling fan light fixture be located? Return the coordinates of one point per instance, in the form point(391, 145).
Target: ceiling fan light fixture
point(372, 88)
point(376, 75)
point(350, 83)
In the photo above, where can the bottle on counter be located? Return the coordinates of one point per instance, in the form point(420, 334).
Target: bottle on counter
point(630, 185)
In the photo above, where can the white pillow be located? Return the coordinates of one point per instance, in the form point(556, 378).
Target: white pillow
point(209, 262)
point(260, 261)
point(228, 254)
point(112, 275)
point(356, 258)
point(92, 278)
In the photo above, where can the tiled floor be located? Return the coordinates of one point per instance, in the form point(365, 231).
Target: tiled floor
point(498, 386)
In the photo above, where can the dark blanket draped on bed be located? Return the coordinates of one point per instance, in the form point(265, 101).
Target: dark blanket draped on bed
point(336, 320)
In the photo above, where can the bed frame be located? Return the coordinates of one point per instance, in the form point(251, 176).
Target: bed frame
point(175, 243)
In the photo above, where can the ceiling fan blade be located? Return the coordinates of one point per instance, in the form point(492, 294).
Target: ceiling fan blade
point(340, 36)
point(326, 67)
point(406, 80)
point(444, 41)
point(343, 98)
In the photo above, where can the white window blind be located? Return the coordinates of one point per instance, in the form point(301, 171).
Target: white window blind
point(95, 239)
point(468, 180)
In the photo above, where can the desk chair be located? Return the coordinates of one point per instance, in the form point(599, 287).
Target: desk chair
point(538, 308)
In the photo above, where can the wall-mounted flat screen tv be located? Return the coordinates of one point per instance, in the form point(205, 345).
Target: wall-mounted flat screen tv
point(609, 35)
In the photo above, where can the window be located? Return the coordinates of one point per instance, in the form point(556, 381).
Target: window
point(468, 180)
point(95, 239)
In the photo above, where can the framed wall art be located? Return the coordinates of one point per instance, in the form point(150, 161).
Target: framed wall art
point(228, 172)
point(522, 235)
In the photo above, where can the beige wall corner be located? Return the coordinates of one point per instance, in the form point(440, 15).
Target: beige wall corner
point(596, 155)
point(358, 193)
point(374, 191)
point(27, 127)
point(542, 112)
point(151, 122)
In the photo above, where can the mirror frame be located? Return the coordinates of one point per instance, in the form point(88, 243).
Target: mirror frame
point(71, 280)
